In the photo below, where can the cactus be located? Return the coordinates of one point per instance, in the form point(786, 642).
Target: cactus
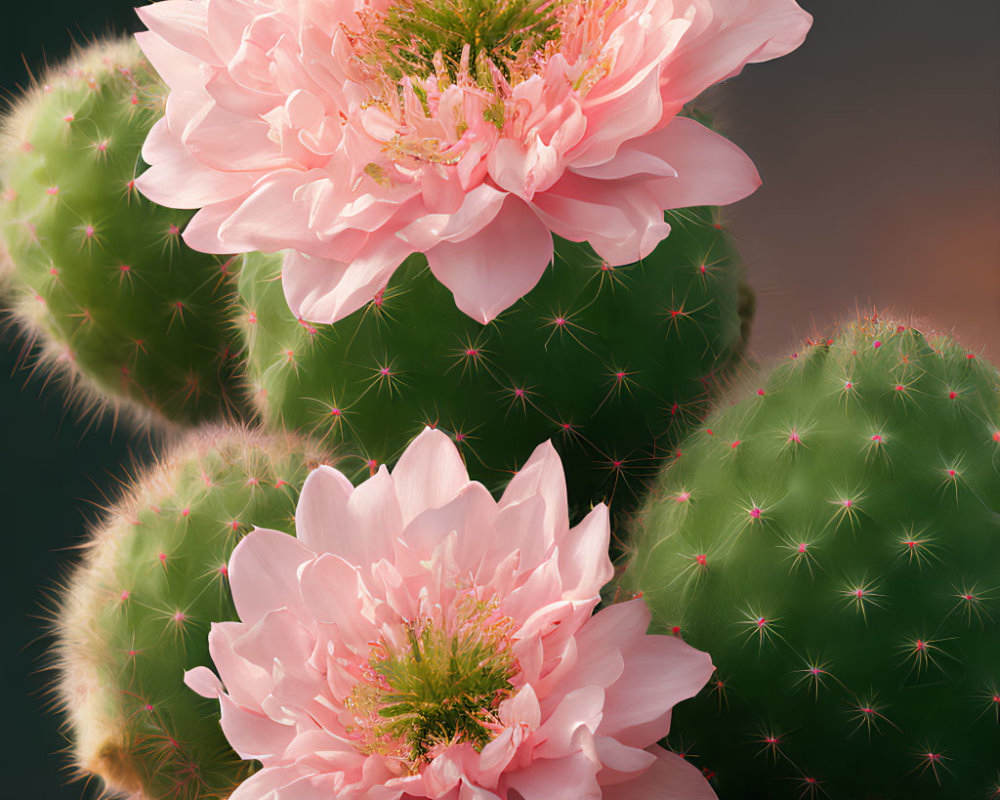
point(99, 277)
point(833, 540)
point(611, 363)
point(137, 610)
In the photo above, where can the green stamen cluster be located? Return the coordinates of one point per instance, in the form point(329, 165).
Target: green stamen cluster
point(427, 37)
point(445, 687)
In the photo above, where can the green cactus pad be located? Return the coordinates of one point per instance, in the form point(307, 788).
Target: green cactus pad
point(612, 363)
point(128, 315)
point(136, 613)
point(832, 539)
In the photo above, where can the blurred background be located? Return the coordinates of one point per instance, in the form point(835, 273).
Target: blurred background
point(879, 145)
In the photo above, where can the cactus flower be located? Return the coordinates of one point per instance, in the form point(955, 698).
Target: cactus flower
point(421, 640)
point(354, 134)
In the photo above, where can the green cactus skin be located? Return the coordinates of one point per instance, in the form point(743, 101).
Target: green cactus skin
point(136, 613)
point(833, 540)
point(128, 315)
point(611, 363)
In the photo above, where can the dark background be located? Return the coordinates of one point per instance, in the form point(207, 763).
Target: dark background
point(879, 144)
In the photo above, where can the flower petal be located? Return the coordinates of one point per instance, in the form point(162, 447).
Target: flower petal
point(669, 778)
point(262, 573)
point(326, 290)
point(320, 516)
point(711, 170)
point(490, 271)
point(429, 474)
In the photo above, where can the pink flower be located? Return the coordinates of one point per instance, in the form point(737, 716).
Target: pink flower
point(420, 640)
point(356, 132)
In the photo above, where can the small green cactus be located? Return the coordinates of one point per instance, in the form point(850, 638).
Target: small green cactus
point(833, 540)
point(136, 613)
point(99, 276)
point(612, 363)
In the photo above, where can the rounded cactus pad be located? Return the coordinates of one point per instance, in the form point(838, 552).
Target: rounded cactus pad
point(611, 363)
point(99, 278)
point(136, 612)
point(832, 539)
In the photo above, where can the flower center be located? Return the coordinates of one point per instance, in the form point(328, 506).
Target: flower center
point(443, 686)
point(421, 38)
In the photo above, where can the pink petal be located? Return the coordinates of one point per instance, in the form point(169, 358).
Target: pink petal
point(628, 162)
point(285, 783)
point(470, 514)
point(174, 66)
point(374, 515)
point(621, 219)
point(181, 23)
point(201, 185)
point(429, 474)
point(203, 681)
point(202, 231)
point(583, 555)
point(335, 593)
point(660, 671)
point(582, 708)
point(324, 290)
point(542, 477)
point(631, 114)
point(621, 762)
point(570, 778)
point(497, 266)
point(251, 733)
point(248, 683)
point(728, 34)
point(324, 752)
point(225, 21)
point(669, 778)
point(262, 572)
point(269, 218)
point(711, 170)
point(479, 209)
point(321, 520)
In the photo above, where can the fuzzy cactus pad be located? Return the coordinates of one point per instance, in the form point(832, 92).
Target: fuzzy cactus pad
point(832, 539)
point(98, 276)
point(137, 611)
